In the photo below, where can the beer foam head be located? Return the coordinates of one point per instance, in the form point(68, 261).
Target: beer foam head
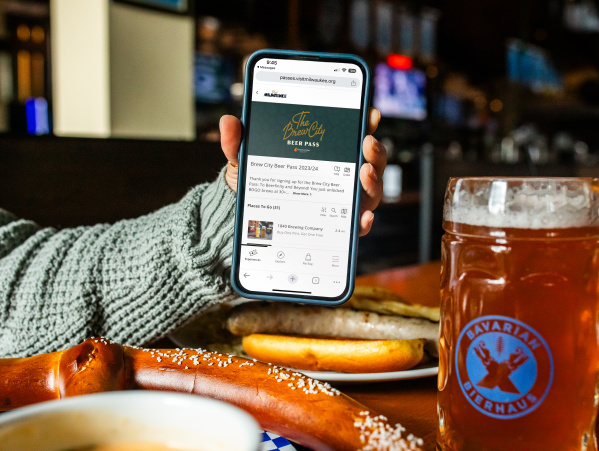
point(524, 203)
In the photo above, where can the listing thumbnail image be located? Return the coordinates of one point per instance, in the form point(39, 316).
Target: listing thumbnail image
point(260, 230)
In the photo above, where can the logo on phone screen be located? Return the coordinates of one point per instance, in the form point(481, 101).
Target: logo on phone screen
point(505, 367)
point(276, 94)
point(302, 125)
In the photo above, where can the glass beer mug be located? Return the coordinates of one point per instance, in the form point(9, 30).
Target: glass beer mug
point(519, 347)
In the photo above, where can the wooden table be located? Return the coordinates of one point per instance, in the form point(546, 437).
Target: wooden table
point(412, 403)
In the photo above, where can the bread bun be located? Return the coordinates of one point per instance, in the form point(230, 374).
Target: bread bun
point(341, 355)
point(383, 301)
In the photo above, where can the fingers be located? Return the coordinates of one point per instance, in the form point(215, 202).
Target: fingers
point(375, 154)
point(366, 219)
point(371, 178)
point(374, 117)
point(372, 187)
point(230, 140)
point(371, 173)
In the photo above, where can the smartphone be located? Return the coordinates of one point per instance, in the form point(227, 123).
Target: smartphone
point(304, 118)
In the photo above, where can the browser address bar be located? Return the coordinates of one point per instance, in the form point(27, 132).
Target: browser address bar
point(314, 80)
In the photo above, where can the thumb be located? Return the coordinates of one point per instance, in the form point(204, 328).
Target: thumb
point(230, 138)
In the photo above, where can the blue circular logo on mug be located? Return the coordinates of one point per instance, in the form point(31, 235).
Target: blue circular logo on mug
point(504, 367)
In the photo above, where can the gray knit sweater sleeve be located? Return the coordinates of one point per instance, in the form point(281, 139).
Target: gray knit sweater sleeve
point(133, 281)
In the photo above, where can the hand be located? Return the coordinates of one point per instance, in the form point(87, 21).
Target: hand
point(371, 172)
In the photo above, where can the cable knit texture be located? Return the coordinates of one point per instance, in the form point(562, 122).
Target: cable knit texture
point(133, 282)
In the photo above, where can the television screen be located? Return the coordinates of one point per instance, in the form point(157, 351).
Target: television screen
point(531, 66)
point(179, 6)
point(450, 109)
point(400, 93)
point(213, 75)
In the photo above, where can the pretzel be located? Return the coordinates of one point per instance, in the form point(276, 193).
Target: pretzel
point(304, 410)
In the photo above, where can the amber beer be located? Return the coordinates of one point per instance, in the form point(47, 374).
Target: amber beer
point(519, 348)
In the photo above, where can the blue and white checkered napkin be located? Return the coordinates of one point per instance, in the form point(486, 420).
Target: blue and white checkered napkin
point(273, 442)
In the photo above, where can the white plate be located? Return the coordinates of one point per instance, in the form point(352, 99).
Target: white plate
point(330, 376)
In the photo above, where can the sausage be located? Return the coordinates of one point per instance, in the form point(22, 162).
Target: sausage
point(292, 319)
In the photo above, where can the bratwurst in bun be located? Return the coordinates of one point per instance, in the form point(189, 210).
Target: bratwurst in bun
point(376, 331)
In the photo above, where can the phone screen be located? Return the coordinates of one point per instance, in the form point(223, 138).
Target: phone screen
point(302, 149)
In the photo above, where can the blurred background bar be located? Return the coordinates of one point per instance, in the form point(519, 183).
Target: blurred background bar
point(465, 88)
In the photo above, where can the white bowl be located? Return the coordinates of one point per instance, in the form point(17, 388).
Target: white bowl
point(183, 422)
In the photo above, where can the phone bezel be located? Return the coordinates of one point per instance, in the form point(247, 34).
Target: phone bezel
point(353, 243)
